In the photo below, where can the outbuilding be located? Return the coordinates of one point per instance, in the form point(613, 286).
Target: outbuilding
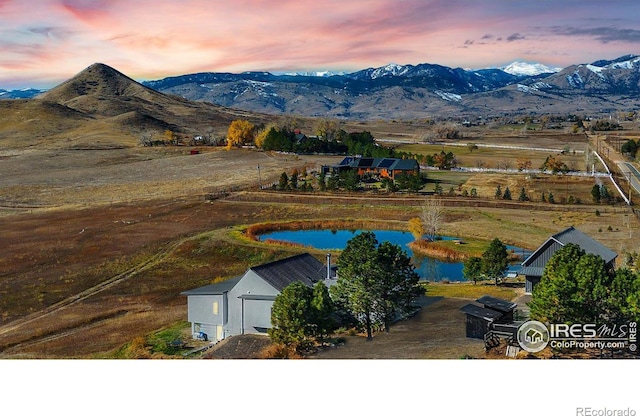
point(533, 266)
point(479, 320)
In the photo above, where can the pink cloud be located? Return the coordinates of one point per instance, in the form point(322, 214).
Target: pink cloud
point(154, 38)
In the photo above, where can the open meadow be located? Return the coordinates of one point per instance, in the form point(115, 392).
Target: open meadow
point(98, 244)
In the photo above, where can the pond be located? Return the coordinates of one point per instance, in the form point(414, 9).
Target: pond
point(428, 268)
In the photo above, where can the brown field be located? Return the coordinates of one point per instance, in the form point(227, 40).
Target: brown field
point(98, 244)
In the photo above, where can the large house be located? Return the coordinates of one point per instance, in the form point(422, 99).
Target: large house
point(386, 167)
point(242, 305)
point(533, 266)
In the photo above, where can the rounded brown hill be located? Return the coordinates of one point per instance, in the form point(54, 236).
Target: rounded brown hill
point(111, 108)
point(98, 81)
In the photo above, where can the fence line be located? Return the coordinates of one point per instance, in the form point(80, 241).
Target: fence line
point(401, 200)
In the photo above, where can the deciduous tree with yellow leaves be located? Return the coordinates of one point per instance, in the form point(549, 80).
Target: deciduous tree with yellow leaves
point(240, 132)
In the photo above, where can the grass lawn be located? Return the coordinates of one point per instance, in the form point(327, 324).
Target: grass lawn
point(470, 291)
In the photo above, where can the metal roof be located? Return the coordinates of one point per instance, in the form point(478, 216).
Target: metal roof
point(482, 313)
point(574, 236)
point(214, 289)
point(497, 304)
point(302, 268)
point(405, 164)
point(256, 297)
point(571, 235)
point(531, 271)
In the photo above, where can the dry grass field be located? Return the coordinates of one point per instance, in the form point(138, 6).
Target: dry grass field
point(98, 244)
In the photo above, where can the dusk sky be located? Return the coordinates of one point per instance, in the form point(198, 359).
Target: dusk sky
point(43, 42)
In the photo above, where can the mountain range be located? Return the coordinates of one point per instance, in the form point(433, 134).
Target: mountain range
point(415, 91)
point(424, 90)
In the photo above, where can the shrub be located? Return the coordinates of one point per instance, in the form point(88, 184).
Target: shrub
point(279, 351)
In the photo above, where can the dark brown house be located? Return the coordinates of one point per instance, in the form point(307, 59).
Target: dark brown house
point(380, 167)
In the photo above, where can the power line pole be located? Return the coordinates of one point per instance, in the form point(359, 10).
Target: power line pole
point(259, 179)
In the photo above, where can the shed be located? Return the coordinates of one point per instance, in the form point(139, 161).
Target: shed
point(499, 305)
point(479, 320)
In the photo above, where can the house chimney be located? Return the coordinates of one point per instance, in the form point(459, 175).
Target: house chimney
point(328, 266)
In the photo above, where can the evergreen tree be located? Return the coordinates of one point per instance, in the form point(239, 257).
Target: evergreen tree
point(472, 269)
point(377, 281)
point(293, 181)
point(550, 198)
point(498, 193)
point(357, 286)
point(322, 309)
point(290, 315)
point(507, 194)
point(523, 195)
point(595, 193)
point(283, 182)
point(495, 260)
point(398, 282)
point(322, 184)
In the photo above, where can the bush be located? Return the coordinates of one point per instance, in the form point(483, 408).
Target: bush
point(279, 351)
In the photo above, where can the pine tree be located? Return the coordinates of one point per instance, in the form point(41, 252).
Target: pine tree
point(523, 195)
point(495, 260)
point(507, 194)
point(284, 181)
point(322, 183)
point(376, 281)
point(498, 193)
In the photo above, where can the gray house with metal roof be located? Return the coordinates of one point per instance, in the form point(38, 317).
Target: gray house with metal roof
point(533, 266)
point(242, 305)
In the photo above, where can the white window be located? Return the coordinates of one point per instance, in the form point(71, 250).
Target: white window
point(215, 308)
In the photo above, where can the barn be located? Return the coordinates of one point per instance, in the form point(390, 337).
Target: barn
point(534, 265)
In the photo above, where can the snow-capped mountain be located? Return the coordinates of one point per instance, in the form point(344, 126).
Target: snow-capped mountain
point(23, 93)
point(521, 68)
point(406, 91)
point(321, 74)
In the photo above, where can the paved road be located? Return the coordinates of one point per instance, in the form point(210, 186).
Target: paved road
point(632, 173)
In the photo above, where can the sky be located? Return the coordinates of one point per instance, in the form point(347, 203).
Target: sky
point(44, 42)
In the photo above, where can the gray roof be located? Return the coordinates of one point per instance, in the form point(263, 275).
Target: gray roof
point(588, 244)
point(214, 289)
point(574, 236)
point(531, 271)
point(301, 268)
point(497, 304)
point(385, 163)
point(483, 313)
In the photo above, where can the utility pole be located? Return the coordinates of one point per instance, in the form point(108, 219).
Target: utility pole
point(259, 179)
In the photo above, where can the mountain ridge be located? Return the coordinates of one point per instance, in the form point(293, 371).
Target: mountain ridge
point(388, 92)
point(411, 91)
